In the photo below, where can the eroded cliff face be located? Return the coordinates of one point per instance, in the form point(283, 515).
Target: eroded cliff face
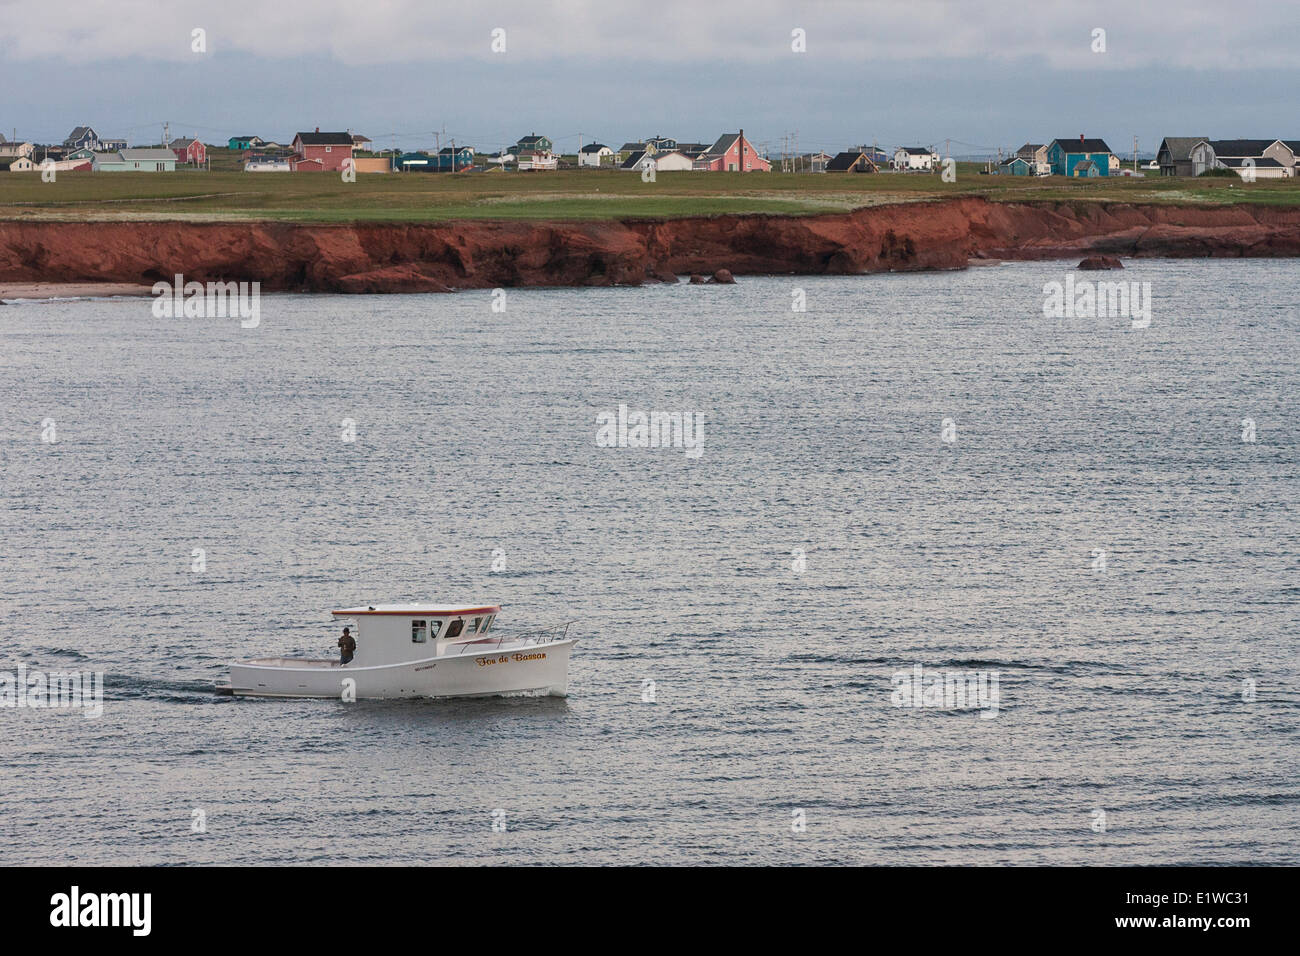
point(381, 257)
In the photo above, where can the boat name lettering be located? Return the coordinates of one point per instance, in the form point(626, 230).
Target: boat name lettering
point(506, 658)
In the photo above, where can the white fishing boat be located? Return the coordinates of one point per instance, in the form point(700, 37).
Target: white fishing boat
point(424, 650)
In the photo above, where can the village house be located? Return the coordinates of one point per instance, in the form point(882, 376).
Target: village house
point(533, 145)
point(1079, 158)
point(1262, 158)
point(13, 150)
point(915, 159)
point(148, 160)
point(852, 161)
point(1016, 166)
point(1184, 155)
point(593, 153)
point(731, 152)
point(1294, 146)
point(189, 150)
point(453, 159)
point(82, 136)
point(669, 162)
point(1035, 154)
point(627, 149)
point(534, 152)
point(320, 152)
point(241, 143)
point(16, 164)
point(111, 145)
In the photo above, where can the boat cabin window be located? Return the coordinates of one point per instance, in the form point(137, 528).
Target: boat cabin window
point(475, 626)
point(434, 627)
point(454, 629)
point(487, 622)
point(419, 631)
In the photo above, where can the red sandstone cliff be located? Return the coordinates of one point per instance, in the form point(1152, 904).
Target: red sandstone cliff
point(382, 257)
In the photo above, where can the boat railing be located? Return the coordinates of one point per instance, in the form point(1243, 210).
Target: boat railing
point(541, 635)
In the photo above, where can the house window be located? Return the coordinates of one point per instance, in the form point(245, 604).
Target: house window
point(454, 629)
point(329, 149)
point(419, 632)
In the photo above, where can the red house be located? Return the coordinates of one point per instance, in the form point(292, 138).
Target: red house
point(189, 150)
point(732, 153)
point(319, 151)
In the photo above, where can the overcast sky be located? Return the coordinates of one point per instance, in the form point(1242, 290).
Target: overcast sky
point(913, 72)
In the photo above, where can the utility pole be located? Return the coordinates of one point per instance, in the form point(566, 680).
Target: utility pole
point(167, 133)
point(1135, 154)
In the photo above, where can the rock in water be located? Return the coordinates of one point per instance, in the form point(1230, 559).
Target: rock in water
point(697, 280)
point(1101, 262)
point(723, 277)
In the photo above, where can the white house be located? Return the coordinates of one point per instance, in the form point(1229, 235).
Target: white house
point(593, 153)
point(673, 162)
point(10, 150)
point(915, 158)
point(1254, 158)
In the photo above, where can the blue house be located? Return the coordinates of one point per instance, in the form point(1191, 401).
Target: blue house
point(1016, 166)
point(1079, 157)
point(463, 158)
point(83, 137)
point(244, 142)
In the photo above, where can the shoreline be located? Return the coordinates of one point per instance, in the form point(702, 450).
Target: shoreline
point(71, 259)
point(19, 291)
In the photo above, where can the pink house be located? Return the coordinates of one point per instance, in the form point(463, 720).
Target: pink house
point(321, 151)
point(732, 153)
point(189, 150)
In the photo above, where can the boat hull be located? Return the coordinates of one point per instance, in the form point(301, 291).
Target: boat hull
point(537, 669)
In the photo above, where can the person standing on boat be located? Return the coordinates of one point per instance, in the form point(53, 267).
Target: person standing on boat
point(347, 647)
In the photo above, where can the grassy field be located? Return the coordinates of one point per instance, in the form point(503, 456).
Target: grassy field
point(589, 194)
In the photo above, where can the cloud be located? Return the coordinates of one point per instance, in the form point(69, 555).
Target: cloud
point(1195, 34)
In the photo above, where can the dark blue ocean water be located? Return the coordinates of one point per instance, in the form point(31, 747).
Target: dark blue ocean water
point(1122, 690)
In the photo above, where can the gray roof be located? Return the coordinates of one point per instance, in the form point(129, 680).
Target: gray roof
point(593, 148)
point(146, 155)
point(632, 161)
point(1180, 147)
point(182, 142)
point(724, 143)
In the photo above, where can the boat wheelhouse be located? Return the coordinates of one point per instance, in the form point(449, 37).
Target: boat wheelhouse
point(419, 650)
